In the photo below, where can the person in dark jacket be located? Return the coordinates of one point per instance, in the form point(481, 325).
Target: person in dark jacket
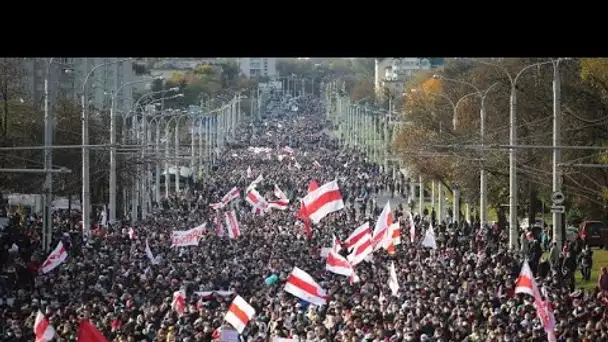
point(586, 262)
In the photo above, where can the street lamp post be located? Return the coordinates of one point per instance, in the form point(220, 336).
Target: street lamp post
point(513, 186)
point(86, 185)
point(47, 229)
point(456, 189)
point(557, 153)
point(483, 195)
point(112, 190)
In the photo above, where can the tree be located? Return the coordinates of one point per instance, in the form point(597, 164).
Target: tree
point(12, 84)
point(585, 112)
point(364, 89)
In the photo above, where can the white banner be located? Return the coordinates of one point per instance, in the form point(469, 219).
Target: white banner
point(184, 238)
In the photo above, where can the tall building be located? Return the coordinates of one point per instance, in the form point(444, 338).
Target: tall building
point(393, 73)
point(66, 76)
point(258, 66)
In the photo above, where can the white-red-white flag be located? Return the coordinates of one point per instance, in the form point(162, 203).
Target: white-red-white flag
point(382, 238)
point(393, 283)
point(43, 330)
point(279, 193)
point(412, 228)
point(255, 183)
point(303, 286)
point(337, 264)
point(233, 194)
point(239, 314)
point(179, 302)
point(249, 172)
point(336, 246)
point(232, 225)
point(525, 282)
point(151, 256)
point(429, 238)
point(288, 149)
point(362, 249)
point(316, 164)
point(56, 258)
point(323, 201)
point(219, 225)
point(357, 235)
point(132, 234)
point(282, 202)
point(257, 201)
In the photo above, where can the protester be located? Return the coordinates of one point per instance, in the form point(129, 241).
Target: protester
point(461, 291)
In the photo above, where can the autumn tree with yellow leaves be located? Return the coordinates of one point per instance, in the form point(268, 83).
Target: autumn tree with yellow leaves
point(431, 145)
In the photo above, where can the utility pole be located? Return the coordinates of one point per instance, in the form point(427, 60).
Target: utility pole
point(440, 200)
point(386, 132)
point(421, 194)
point(557, 186)
point(176, 156)
point(513, 224)
point(158, 161)
point(47, 226)
point(456, 204)
point(167, 158)
point(483, 187)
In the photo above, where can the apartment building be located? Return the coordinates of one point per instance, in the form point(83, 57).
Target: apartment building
point(393, 73)
point(258, 66)
point(66, 77)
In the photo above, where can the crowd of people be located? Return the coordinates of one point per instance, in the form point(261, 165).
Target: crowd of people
point(461, 291)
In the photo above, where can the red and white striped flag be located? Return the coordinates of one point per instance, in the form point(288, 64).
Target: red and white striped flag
point(302, 215)
point(132, 234)
point(259, 204)
point(312, 186)
point(394, 232)
point(393, 283)
point(526, 284)
point(232, 225)
point(362, 249)
point(282, 202)
point(179, 302)
point(323, 201)
point(219, 226)
point(234, 193)
point(337, 264)
point(56, 258)
point(381, 236)
point(336, 246)
point(412, 228)
point(279, 193)
point(239, 314)
point(43, 330)
point(316, 164)
point(255, 183)
point(303, 286)
point(357, 235)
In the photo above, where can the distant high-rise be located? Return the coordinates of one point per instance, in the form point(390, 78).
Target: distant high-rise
point(67, 74)
point(258, 66)
point(393, 73)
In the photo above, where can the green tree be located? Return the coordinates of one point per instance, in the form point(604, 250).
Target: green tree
point(585, 109)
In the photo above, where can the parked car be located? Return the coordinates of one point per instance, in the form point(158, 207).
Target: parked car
point(594, 233)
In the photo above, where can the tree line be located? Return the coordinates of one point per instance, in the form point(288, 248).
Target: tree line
point(22, 124)
point(433, 147)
